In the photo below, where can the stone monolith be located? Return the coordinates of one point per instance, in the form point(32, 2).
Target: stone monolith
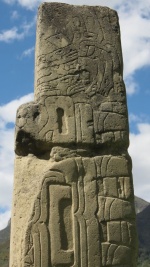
point(73, 202)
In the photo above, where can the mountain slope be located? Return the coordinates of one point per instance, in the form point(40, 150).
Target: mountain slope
point(4, 254)
point(4, 246)
point(140, 204)
point(143, 227)
point(5, 233)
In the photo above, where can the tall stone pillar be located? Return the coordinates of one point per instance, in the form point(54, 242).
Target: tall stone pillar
point(73, 203)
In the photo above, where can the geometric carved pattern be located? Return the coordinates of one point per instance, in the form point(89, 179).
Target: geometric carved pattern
point(73, 200)
point(74, 225)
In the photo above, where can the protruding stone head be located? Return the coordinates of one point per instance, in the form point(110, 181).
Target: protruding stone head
point(79, 90)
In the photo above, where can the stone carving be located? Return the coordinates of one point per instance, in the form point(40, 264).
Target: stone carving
point(73, 192)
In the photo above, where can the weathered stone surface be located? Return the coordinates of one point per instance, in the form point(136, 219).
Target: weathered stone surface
point(73, 190)
point(79, 91)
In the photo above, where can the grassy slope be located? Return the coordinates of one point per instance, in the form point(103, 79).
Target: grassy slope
point(4, 254)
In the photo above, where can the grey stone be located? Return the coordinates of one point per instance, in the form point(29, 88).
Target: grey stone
point(73, 201)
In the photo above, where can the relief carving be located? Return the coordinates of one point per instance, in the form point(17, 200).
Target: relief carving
point(73, 193)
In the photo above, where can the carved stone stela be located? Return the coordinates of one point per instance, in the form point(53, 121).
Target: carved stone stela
point(73, 202)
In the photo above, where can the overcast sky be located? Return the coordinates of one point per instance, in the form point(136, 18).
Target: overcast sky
point(17, 41)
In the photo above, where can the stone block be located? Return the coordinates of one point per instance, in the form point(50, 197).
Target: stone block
point(110, 187)
point(118, 166)
point(114, 232)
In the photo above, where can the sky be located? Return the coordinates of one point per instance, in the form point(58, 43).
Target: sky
point(17, 42)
